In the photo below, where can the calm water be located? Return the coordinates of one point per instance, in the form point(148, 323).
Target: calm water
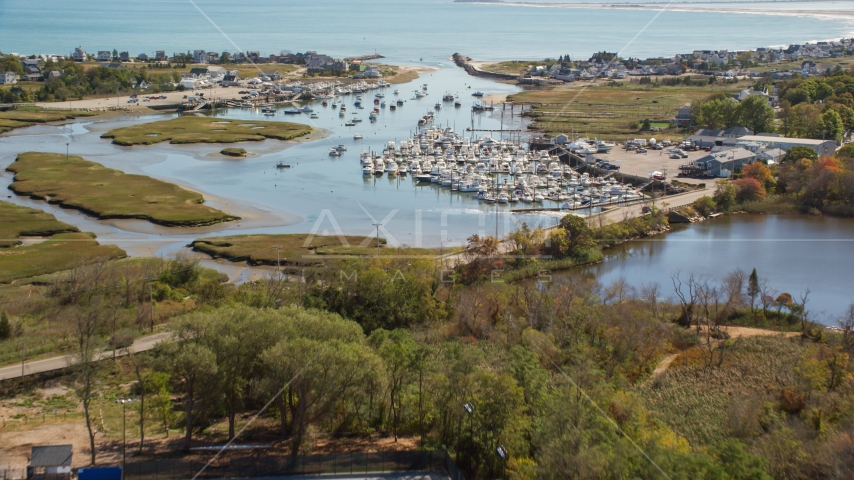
point(402, 30)
point(793, 252)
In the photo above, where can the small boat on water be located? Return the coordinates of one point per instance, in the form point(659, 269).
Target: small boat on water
point(313, 115)
point(397, 92)
point(356, 119)
point(269, 114)
point(306, 109)
point(341, 148)
point(392, 107)
point(292, 111)
point(400, 103)
point(448, 98)
point(477, 94)
point(458, 104)
point(334, 153)
point(358, 136)
point(382, 104)
point(283, 165)
point(350, 124)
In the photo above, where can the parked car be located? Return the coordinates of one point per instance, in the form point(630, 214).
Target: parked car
point(132, 100)
point(708, 149)
point(146, 99)
point(675, 156)
point(658, 147)
point(611, 166)
point(641, 150)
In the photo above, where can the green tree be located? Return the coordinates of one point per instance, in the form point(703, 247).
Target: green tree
point(579, 235)
point(194, 366)
point(753, 288)
point(5, 327)
point(11, 64)
point(397, 350)
point(756, 113)
point(831, 127)
point(798, 152)
point(321, 361)
point(225, 58)
point(738, 463)
point(724, 195)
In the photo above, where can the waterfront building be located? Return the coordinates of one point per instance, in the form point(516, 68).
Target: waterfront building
point(104, 56)
point(79, 55)
point(8, 78)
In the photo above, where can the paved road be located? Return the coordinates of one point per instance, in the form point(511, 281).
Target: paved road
point(56, 363)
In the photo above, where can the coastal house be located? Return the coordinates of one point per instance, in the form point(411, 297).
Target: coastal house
point(200, 56)
point(79, 55)
point(50, 462)
point(230, 80)
point(104, 56)
point(770, 155)
point(213, 57)
point(189, 83)
point(683, 116)
point(52, 74)
point(124, 57)
point(113, 65)
point(719, 164)
point(160, 56)
point(142, 57)
point(372, 71)
point(8, 78)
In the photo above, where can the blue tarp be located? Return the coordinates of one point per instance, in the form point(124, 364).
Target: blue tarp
point(100, 473)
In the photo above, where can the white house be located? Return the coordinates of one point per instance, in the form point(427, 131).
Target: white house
point(188, 83)
point(8, 78)
point(79, 55)
point(200, 56)
point(104, 56)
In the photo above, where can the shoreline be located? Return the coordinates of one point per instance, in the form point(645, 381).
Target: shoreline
point(683, 7)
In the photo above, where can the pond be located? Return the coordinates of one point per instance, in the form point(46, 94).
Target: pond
point(793, 252)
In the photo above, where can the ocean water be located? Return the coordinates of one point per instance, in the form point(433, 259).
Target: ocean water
point(405, 31)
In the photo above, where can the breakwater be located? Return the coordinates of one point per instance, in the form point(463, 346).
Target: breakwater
point(463, 62)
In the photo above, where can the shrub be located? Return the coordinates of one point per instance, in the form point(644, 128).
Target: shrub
point(705, 206)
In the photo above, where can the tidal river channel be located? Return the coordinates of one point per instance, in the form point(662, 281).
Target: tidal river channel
point(793, 252)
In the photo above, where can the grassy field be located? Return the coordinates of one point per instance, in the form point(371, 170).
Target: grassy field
point(703, 404)
point(299, 249)
point(108, 193)
point(610, 112)
point(16, 221)
point(514, 67)
point(192, 129)
point(233, 152)
point(27, 116)
point(61, 252)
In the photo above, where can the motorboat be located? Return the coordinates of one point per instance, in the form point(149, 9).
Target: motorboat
point(356, 119)
point(350, 124)
point(306, 109)
point(477, 94)
point(367, 170)
point(283, 165)
point(448, 98)
point(358, 136)
point(313, 115)
point(396, 92)
point(292, 111)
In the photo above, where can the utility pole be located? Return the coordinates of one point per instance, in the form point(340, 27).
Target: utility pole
point(23, 356)
point(150, 301)
point(124, 402)
point(378, 225)
point(66, 151)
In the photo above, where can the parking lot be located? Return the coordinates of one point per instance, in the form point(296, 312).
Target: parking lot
point(642, 164)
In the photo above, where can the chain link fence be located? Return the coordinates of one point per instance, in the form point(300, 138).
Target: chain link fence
point(274, 466)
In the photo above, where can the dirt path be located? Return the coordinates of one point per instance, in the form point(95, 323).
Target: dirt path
point(734, 332)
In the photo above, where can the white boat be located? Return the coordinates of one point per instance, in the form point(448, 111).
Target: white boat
point(349, 124)
point(367, 170)
point(341, 148)
point(313, 115)
point(334, 153)
point(358, 136)
point(396, 92)
point(477, 94)
point(306, 109)
point(356, 119)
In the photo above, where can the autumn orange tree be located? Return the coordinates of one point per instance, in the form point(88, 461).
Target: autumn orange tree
point(748, 190)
